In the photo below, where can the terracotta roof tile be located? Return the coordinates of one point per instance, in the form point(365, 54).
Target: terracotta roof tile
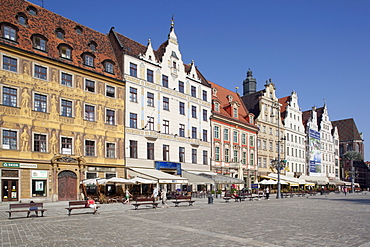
point(46, 23)
point(284, 104)
point(347, 129)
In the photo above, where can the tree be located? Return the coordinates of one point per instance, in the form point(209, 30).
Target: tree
point(352, 155)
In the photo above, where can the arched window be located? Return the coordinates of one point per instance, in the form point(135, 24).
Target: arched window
point(21, 18)
point(78, 29)
point(9, 31)
point(31, 10)
point(39, 42)
point(93, 45)
point(65, 51)
point(59, 33)
point(109, 66)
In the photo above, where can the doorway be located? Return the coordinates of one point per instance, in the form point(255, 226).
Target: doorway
point(9, 190)
point(67, 186)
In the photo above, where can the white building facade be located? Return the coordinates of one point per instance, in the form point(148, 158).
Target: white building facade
point(168, 105)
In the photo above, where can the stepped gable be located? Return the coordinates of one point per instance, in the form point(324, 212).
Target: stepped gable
point(221, 97)
point(45, 23)
point(347, 129)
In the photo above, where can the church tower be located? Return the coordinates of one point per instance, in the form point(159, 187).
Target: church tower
point(249, 84)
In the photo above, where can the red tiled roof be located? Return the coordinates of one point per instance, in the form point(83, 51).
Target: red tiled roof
point(347, 129)
point(284, 104)
point(306, 115)
point(45, 23)
point(225, 106)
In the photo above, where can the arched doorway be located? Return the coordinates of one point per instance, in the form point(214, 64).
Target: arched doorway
point(67, 186)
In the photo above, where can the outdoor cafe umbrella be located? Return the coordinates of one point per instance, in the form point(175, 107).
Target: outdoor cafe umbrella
point(138, 180)
point(270, 182)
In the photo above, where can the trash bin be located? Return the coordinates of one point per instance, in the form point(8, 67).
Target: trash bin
point(210, 199)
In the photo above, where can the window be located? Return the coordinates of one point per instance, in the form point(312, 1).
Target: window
point(150, 99)
point(39, 43)
point(9, 33)
point(89, 148)
point(193, 111)
point(133, 149)
point(40, 102)
point(217, 132)
point(31, 10)
point(133, 69)
point(110, 91)
point(217, 106)
point(226, 134)
point(244, 139)
point(193, 91)
point(109, 67)
point(66, 79)
point(251, 159)
point(110, 149)
point(235, 110)
point(164, 81)
point(235, 136)
point(9, 139)
point(89, 113)
point(89, 60)
point(133, 94)
point(166, 103)
point(110, 117)
point(66, 108)
point(78, 29)
point(205, 95)
point(9, 96)
point(236, 156)
point(227, 151)
point(181, 154)
point(66, 145)
point(22, 19)
point(217, 153)
point(89, 86)
point(166, 152)
point(92, 46)
point(166, 126)
point(181, 87)
point(40, 72)
point(59, 33)
point(39, 188)
point(39, 143)
point(149, 75)
point(194, 156)
point(194, 132)
point(182, 130)
point(65, 52)
point(150, 150)
point(182, 108)
point(205, 135)
point(251, 141)
point(150, 124)
point(205, 157)
point(244, 158)
point(205, 115)
point(10, 63)
point(133, 120)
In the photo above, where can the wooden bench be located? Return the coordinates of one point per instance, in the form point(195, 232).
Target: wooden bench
point(78, 205)
point(26, 207)
point(144, 201)
point(180, 199)
point(227, 197)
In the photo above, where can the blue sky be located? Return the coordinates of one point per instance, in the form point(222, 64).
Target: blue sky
point(318, 48)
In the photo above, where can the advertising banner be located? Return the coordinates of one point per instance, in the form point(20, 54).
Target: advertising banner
point(315, 154)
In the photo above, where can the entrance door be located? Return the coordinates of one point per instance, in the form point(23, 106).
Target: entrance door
point(67, 186)
point(9, 190)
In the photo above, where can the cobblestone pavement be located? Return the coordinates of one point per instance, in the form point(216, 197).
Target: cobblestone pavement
point(332, 220)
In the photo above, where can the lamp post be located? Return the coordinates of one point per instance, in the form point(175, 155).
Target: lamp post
point(278, 165)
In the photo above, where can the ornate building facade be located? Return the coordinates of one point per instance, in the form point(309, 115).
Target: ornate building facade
point(62, 105)
point(234, 136)
point(168, 108)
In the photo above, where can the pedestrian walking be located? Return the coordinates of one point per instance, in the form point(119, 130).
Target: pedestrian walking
point(345, 191)
point(164, 198)
point(128, 194)
point(267, 191)
point(155, 193)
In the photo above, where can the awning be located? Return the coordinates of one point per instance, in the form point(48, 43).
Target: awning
point(159, 176)
point(196, 179)
point(320, 180)
point(220, 179)
point(138, 180)
point(292, 181)
point(115, 180)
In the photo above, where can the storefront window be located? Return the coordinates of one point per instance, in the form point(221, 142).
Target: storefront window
point(38, 187)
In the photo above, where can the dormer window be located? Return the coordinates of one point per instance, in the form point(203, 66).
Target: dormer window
point(31, 10)
point(9, 32)
point(88, 59)
point(174, 65)
point(92, 45)
point(78, 29)
point(22, 18)
point(109, 67)
point(65, 51)
point(217, 106)
point(39, 42)
point(60, 33)
point(235, 112)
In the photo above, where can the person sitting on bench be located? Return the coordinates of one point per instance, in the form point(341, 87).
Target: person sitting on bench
point(236, 196)
point(33, 208)
point(91, 204)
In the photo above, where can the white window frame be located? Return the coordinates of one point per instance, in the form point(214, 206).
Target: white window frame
point(61, 143)
point(1, 136)
point(115, 150)
point(2, 61)
point(61, 76)
point(60, 107)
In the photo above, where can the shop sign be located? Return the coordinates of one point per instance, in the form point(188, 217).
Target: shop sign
point(39, 174)
point(8, 164)
point(23, 165)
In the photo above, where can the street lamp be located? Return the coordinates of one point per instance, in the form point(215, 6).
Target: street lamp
point(278, 163)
